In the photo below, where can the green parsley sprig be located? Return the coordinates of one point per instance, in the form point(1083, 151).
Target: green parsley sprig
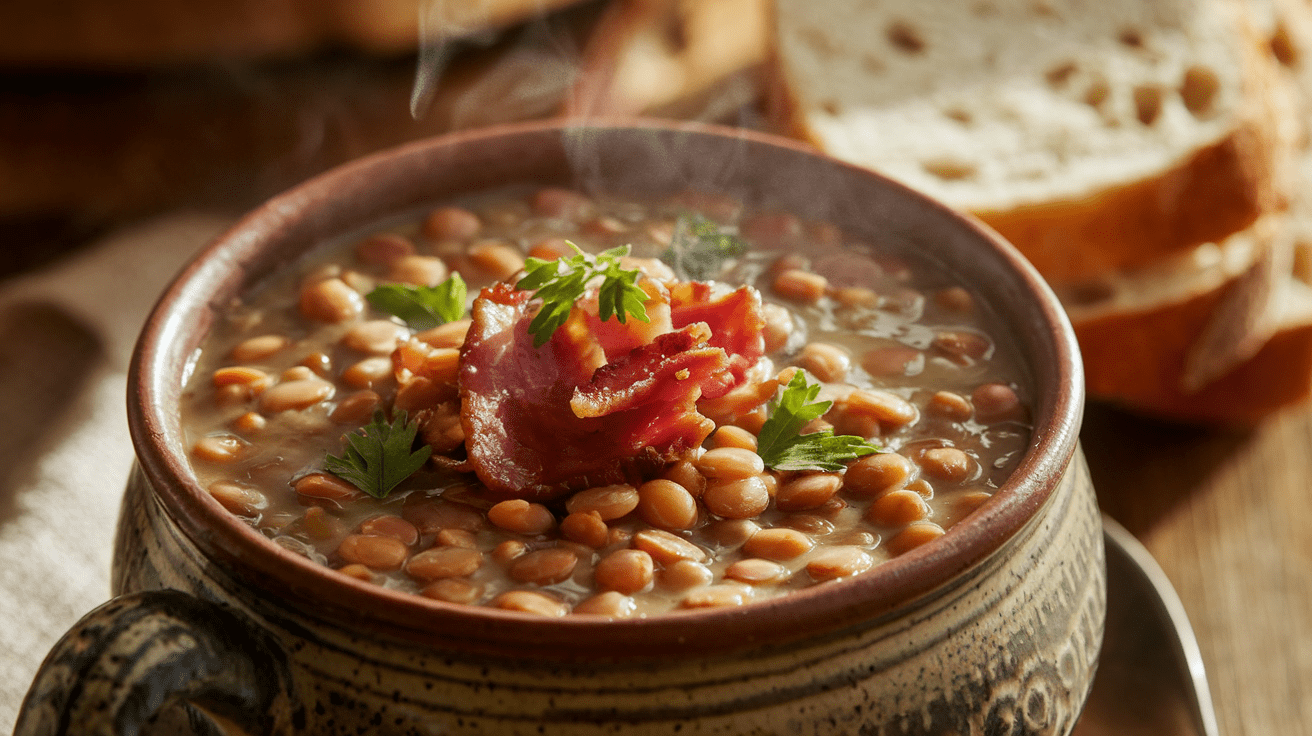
point(700, 247)
point(781, 445)
point(562, 282)
point(423, 307)
point(380, 455)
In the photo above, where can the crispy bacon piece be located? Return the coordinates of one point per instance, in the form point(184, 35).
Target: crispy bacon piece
point(735, 319)
point(541, 423)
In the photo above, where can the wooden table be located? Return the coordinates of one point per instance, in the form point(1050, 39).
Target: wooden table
point(1228, 514)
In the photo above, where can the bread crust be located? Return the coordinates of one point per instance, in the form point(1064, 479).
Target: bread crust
point(1219, 190)
point(1277, 376)
point(1141, 359)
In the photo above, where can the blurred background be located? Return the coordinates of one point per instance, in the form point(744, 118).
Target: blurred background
point(130, 133)
point(112, 111)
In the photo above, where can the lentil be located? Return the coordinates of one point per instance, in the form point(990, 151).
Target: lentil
point(608, 502)
point(383, 249)
point(685, 574)
point(737, 499)
point(913, 536)
point(778, 544)
point(528, 601)
point(626, 571)
point(585, 527)
point(611, 603)
point(521, 517)
point(451, 223)
point(807, 492)
point(666, 505)
point(756, 571)
point(839, 562)
point(730, 436)
point(418, 270)
point(543, 566)
point(827, 362)
point(730, 463)
point(331, 300)
point(897, 508)
point(257, 348)
point(498, 260)
point(453, 590)
point(296, 394)
point(375, 553)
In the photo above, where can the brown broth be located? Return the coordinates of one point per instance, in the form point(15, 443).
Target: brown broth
point(870, 301)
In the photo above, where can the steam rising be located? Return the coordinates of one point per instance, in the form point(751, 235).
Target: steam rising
point(528, 80)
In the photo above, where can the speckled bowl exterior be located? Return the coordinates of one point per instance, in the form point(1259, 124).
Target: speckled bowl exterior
point(992, 629)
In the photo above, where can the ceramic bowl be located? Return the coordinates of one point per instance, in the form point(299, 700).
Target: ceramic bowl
point(991, 629)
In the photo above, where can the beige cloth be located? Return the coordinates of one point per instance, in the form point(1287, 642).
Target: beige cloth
point(66, 336)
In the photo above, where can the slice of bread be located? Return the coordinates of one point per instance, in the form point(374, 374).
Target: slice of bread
point(1222, 333)
point(1095, 136)
point(1287, 26)
point(1207, 311)
point(672, 58)
point(1277, 375)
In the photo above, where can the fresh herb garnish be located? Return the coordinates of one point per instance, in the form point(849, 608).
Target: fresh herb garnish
point(782, 447)
point(380, 455)
point(561, 282)
point(423, 307)
point(699, 247)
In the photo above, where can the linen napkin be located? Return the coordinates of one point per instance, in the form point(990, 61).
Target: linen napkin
point(66, 336)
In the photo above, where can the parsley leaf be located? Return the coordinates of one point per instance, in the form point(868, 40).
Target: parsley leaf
point(699, 247)
point(561, 282)
point(782, 448)
point(423, 307)
point(380, 455)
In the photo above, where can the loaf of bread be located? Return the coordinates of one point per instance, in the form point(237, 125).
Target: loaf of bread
point(1094, 136)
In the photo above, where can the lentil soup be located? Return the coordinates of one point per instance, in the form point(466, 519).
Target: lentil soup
point(666, 488)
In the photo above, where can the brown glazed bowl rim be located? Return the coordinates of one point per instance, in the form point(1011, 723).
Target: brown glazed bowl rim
point(252, 562)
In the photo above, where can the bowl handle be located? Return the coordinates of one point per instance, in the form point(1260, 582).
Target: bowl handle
point(128, 659)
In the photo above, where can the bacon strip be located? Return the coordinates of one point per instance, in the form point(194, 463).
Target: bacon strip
point(735, 319)
point(542, 423)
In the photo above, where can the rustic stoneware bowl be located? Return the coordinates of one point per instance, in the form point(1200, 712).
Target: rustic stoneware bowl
point(993, 629)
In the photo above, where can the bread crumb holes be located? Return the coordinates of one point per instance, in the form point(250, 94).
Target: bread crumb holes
point(950, 169)
point(1282, 45)
point(1198, 90)
point(959, 114)
point(905, 37)
point(1148, 103)
point(1097, 93)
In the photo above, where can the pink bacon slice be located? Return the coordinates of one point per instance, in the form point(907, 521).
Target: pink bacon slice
point(543, 423)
